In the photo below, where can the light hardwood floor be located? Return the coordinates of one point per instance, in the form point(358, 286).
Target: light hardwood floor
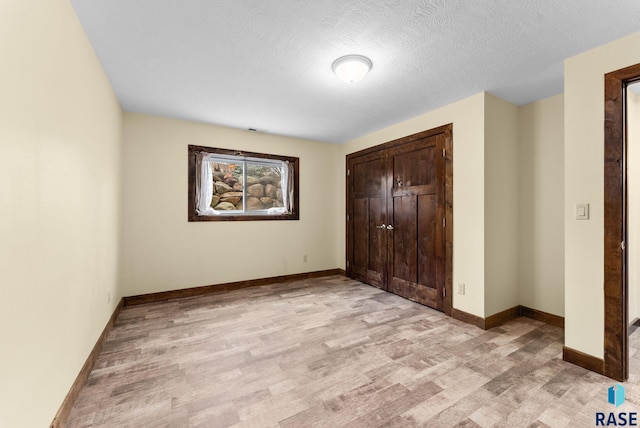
point(332, 352)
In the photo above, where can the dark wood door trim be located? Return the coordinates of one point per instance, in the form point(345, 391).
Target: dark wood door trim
point(446, 201)
point(448, 216)
point(400, 141)
point(616, 351)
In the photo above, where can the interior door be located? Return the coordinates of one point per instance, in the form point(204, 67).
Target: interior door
point(367, 243)
point(416, 213)
point(400, 217)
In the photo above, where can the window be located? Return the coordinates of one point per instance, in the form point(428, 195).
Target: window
point(234, 185)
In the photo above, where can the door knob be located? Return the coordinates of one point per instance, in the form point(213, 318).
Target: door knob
point(389, 227)
point(380, 227)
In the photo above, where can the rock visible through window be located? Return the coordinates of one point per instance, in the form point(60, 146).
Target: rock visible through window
point(233, 185)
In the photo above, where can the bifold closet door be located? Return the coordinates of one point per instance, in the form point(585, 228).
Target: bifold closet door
point(368, 218)
point(415, 207)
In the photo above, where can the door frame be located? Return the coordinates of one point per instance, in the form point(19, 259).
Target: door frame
point(616, 305)
point(447, 130)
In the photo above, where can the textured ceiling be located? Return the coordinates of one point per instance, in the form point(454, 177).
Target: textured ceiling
point(267, 64)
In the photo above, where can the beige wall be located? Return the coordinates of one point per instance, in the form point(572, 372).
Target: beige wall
point(633, 192)
point(501, 238)
point(584, 183)
point(59, 169)
point(467, 117)
point(541, 193)
point(163, 251)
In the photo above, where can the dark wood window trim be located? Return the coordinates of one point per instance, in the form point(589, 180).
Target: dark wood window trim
point(194, 216)
point(616, 351)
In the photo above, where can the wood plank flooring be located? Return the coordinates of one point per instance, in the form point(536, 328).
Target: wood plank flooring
point(332, 352)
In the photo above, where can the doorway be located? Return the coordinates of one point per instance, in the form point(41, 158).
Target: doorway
point(400, 218)
point(616, 223)
point(633, 202)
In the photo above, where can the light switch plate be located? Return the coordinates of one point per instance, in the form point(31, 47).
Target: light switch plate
point(582, 211)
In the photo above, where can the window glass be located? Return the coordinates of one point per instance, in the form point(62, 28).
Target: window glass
point(228, 185)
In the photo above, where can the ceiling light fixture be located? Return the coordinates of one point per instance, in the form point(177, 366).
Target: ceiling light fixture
point(351, 68)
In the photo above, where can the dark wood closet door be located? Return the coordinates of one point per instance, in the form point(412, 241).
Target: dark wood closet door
point(399, 217)
point(416, 214)
point(367, 244)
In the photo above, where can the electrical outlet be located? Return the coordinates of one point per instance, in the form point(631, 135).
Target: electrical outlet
point(305, 258)
point(108, 296)
point(461, 288)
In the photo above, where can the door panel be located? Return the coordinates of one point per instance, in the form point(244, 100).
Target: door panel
point(407, 289)
point(404, 238)
point(360, 238)
point(368, 176)
point(377, 251)
point(427, 241)
point(410, 167)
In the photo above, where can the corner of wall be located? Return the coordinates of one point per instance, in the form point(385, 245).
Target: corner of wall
point(501, 211)
point(541, 205)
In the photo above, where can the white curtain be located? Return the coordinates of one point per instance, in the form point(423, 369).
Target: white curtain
point(287, 186)
point(287, 193)
point(204, 185)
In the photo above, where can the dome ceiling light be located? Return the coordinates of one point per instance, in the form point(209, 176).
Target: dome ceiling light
point(351, 68)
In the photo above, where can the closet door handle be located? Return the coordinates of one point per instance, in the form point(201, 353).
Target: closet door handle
point(380, 227)
point(389, 227)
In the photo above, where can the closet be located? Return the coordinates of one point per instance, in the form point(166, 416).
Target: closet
point(399, 217)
